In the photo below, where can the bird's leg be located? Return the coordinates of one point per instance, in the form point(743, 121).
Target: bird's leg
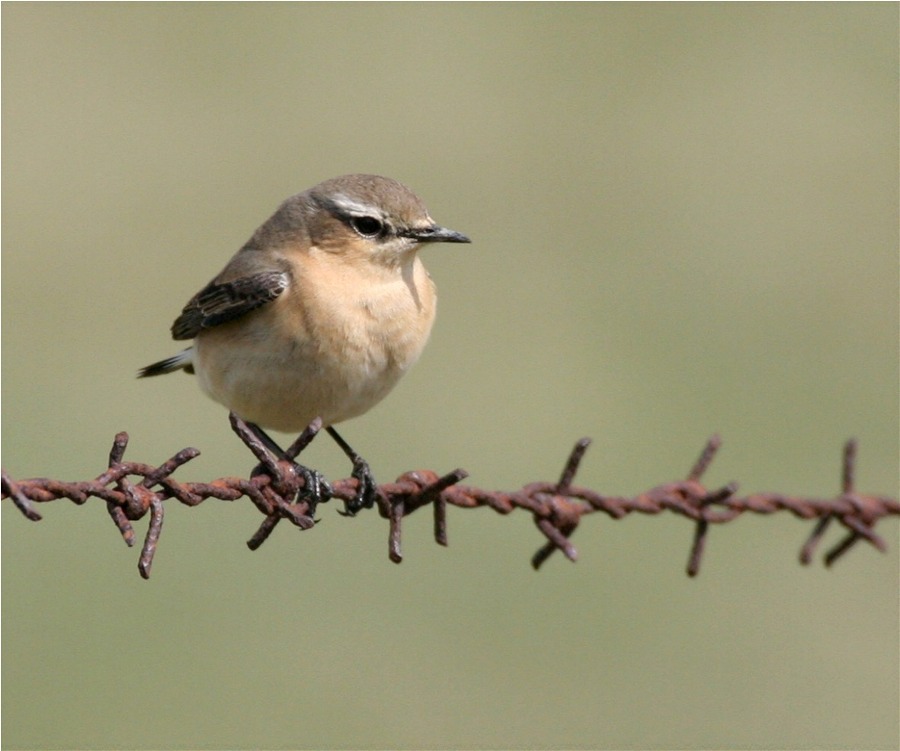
point(266, 439)
point(366, 487)
point(316, 489)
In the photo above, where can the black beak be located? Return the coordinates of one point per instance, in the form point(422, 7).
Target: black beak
point(436, 234)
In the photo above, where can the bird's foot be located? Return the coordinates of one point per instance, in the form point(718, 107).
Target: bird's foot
point(366, 488)
point(316, 489)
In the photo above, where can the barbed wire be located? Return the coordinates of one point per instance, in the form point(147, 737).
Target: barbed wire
point(280, 488)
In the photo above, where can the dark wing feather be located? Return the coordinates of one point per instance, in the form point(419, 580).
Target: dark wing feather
point(220, 302)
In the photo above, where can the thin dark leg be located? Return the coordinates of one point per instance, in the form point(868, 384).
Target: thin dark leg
point(316, 488)
point(366, 486)
point(267, 440)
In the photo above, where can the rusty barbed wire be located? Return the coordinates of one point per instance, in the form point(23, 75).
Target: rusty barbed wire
point(283, 489)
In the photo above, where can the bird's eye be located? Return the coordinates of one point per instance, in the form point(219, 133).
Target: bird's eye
point(367, 226)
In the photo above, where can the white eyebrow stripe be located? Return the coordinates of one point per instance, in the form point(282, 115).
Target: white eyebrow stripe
point(354, 208)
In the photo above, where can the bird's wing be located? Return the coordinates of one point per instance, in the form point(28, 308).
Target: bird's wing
point(222, 301)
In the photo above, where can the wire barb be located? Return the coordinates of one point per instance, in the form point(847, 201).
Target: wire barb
point(280, 488)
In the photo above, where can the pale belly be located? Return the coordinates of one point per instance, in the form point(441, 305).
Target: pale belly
point(290, 382)
point(332, 349)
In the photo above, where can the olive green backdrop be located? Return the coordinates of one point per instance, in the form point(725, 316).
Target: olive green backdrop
point(684, 221)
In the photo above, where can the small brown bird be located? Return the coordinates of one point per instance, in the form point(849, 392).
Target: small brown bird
point(319, 314)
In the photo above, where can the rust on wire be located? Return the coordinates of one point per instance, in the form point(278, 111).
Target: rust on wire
point(280, 488)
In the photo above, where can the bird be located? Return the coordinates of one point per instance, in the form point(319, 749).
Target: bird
point(319, 314)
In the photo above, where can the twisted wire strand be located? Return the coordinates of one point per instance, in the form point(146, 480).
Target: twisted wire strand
point(280, 488)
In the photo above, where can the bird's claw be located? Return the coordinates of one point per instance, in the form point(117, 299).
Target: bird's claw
point(316, 489)
point(366, 488)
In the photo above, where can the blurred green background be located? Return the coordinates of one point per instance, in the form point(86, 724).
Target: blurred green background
point(684, 221)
